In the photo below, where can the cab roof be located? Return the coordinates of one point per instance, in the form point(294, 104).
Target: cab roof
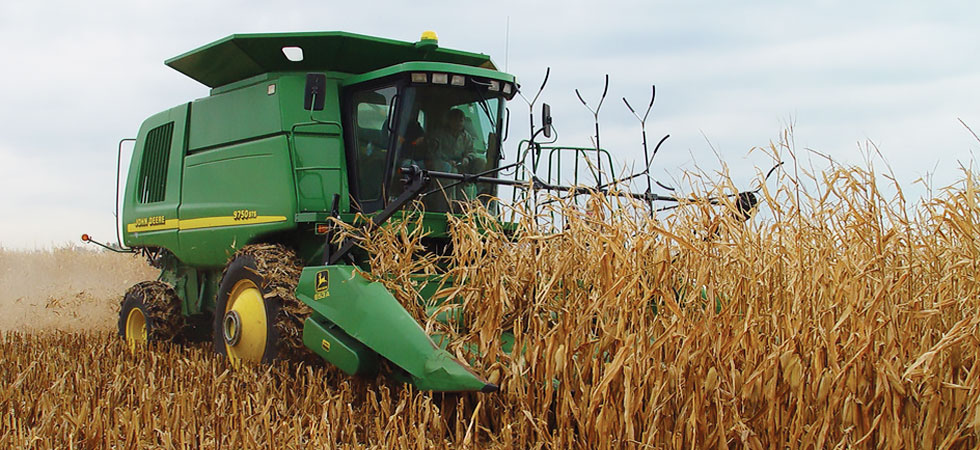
point(242, 56)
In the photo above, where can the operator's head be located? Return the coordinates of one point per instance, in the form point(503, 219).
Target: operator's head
point(455, 119)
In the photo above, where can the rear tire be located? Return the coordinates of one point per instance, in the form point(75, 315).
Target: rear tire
point(257, 317)
point(150, 312)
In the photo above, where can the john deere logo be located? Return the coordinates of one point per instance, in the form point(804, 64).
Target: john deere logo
point(322, 285)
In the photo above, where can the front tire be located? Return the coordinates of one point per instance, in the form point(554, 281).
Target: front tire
point(257, 316)
point(150, 312)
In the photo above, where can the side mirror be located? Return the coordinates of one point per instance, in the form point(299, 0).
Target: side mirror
point(316, 88)
point(546, 119)
point(506, 124)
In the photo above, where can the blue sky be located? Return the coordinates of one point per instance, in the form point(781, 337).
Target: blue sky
point(81, 76)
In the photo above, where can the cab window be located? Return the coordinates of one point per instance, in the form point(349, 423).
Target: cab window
point(372, 139)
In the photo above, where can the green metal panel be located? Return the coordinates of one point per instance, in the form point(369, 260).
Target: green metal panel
point(154, 223)
point(231, 195)
point(319, 172)
point(242, 56)
point(332, 344)
point(246, 113)
point(371, 315)
point(252, 81)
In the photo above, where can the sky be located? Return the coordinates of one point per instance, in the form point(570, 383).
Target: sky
point(730, 76)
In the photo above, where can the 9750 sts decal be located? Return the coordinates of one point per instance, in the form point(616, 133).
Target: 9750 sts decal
point(245, 214)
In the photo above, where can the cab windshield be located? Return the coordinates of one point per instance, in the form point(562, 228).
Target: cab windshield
point(440, 128)
point(448, 129)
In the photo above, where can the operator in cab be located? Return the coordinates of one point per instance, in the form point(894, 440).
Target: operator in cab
point(453, 146)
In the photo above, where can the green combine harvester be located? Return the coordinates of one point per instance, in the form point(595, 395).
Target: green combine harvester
point(234, 196)
point(231, 196)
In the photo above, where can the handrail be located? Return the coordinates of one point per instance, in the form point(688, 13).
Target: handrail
point(118, 222)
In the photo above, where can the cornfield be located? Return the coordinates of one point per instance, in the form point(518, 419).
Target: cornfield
point(845, 318)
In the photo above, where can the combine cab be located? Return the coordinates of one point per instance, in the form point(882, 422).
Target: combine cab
point(232, 195)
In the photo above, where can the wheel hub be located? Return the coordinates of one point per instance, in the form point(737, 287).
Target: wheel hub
point(231, 328)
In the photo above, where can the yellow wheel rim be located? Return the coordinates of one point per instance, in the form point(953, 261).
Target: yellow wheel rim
point(252, 327)
point(135, 328)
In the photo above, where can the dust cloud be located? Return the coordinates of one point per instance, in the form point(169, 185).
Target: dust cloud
point(67, 289)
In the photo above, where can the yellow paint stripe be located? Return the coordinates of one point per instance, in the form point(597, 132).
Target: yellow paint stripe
point(203, 222)
point(226, 221)
point(169, 224)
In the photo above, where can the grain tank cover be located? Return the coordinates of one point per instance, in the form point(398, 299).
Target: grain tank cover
point(242, 56)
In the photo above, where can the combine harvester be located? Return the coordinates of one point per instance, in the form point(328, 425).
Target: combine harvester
point(234, 196)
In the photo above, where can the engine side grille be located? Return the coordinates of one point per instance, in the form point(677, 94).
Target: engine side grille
point(153, 170)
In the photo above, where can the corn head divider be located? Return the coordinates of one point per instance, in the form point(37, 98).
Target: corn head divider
point(237, 197)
